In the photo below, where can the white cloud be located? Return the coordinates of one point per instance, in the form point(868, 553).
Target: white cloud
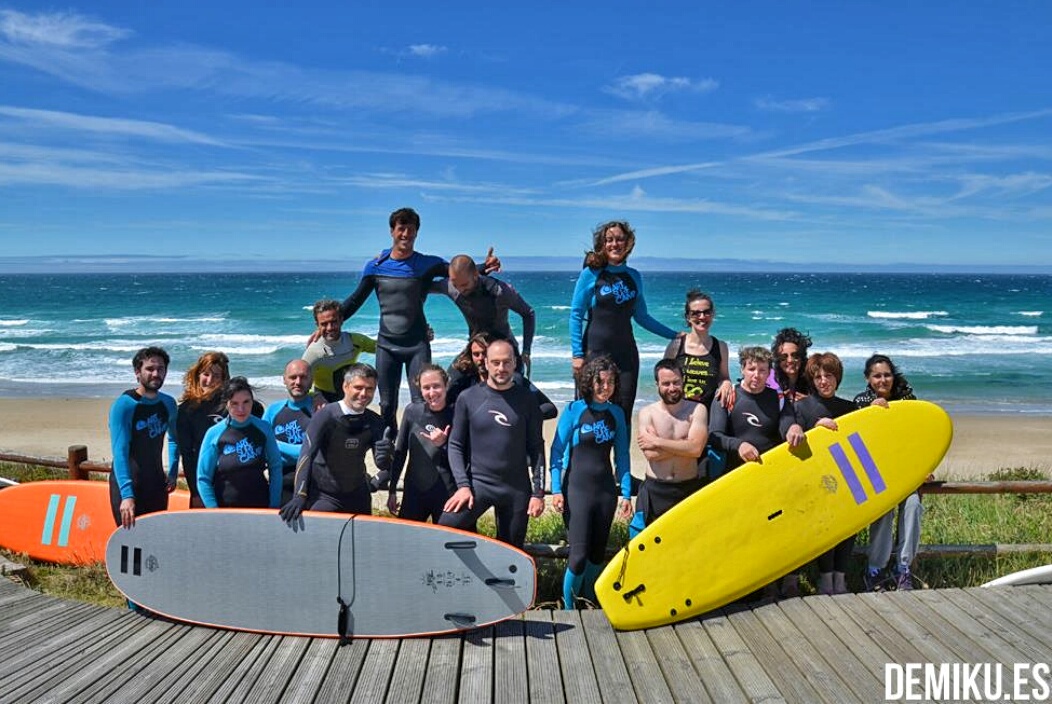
point(426, 51)
point(653, 123)
point(59, 29)
point(651, 85)
point(799, 105)
point(108, 125)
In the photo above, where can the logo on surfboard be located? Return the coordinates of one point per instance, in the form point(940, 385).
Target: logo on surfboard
point(847, 468)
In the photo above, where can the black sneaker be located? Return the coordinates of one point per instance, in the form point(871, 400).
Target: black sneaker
point(875, 581)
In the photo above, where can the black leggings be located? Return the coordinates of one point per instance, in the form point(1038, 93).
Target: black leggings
point(420, 505)
point(509, 504)
point(588, 513)
point(149, 498)
point(390, 359)
point(357, 501)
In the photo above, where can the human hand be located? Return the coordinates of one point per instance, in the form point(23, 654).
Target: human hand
point(624, 509)
point(577, 363)
point(437, 436)
point(462, 498)
point(291, 511)
point(127, 511)
point(748, 452)
point(491, 264)
point(536, 507)
point(795, 435)
point(383, 451)
point(827, 423)
point(557, 503)
point(392, 503)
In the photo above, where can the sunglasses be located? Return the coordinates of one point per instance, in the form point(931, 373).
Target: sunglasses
point(694, 314)
point(791, 355)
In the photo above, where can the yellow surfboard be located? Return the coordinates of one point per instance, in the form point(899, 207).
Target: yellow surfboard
point(769, 517)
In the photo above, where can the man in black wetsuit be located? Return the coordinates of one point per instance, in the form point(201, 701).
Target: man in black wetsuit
point(331, 473)
point(485, 302)
point(496, 451)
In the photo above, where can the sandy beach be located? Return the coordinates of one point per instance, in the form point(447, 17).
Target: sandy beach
point(981, 444)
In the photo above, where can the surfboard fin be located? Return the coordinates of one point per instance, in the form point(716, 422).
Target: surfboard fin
point(461, 620)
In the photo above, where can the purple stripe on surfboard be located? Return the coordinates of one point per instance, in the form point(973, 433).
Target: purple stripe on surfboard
point(868, 464)
point(857, 492)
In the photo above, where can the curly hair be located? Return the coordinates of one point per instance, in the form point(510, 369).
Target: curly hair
point(803, 343)
point(589, 374)
point(463, 362)
point(193, 391)
point(596, 258)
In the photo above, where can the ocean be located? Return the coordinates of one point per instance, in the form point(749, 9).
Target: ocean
point(972, 343)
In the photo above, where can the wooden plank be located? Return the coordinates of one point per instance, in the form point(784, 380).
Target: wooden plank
point(375, 675)
point(41, 618)
point(713, 672)
point(940, 641)
point(754, 681)
point(511, 678)
point(476, 667)
point(1002, 650)
point(239, 652)
point(611, 673)
point(1013, 614)
point(675, 665)
point(1039, 602)
point(304, 683)
point(240, 679)
point(791, 682)
point(575, 663)
point(896, 648)
point(542, 658)
point(867, 653)
point(800, 644)
point(443, 671)
point(410, 667)
point(647, 678)
point(270, 685)
point(190, 661)
point(343, 672)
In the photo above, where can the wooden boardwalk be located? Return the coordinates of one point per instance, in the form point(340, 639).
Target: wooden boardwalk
point(814, 649)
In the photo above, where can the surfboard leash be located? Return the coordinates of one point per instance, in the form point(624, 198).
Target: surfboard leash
point(342, 616)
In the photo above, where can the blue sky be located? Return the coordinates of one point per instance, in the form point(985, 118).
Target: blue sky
point(837, 132)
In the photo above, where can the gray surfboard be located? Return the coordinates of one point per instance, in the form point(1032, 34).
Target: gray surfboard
point(332, 575)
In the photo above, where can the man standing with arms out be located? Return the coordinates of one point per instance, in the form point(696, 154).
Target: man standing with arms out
point(139, 419)
point(290, 419)
point(672, 434)
point(331, 473)
point(496, 451)
point(334, 350)
point(401, 278)
point(485, 301)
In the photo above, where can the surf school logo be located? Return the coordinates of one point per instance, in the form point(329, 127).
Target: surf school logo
point(153, 425)
point(847, 468)
point(620, 292)
point(291, 431)
point(244, 449)
point(599, 430)
point(446, 579)
point(501, 419)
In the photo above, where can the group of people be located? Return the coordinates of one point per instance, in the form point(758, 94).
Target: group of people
point(471, 438)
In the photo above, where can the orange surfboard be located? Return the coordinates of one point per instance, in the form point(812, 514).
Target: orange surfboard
point(66, 522)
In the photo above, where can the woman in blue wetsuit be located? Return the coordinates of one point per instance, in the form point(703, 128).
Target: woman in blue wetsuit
point(236, 452)
point(584, 488)
point(607, 298)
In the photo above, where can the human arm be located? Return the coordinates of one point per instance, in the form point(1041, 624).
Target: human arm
point(691, 446)
point(535, 454)
point(720, 431)
point(642, 316)
point(788, 425)
point(582, 301)
point(548, 408)
point(173, 442)
point(358, 297)
point(363, 343)
point(275, 462)
point(517, 303)
point(622, 454)
point(120, 445)
point(459, 445)
point(725, 391)
point(401, 452)
point(207, 462)
point(561, 446)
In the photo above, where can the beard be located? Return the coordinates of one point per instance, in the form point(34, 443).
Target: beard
point(671, 397)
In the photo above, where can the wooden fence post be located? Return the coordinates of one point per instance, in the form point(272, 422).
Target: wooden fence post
point(75, 455)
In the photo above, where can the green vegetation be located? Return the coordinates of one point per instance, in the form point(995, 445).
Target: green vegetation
point(971, 519)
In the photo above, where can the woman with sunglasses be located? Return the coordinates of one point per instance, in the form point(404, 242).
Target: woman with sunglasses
point(607, 298)
point(702, 357)
point(789, 377)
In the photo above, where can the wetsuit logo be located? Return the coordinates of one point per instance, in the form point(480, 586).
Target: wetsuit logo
point(292, 432)
point(244, 449)
point(501, 419)
point(620, 292)
point(599, 430)
point(153, 425)
point(752, 420)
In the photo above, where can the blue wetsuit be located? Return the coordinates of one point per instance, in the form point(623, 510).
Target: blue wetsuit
point(428, 481)
point(289, 419)
point(193, 422)
point(401, 287)
point(230, 468)
point(605, 302)
point(137, 429)
point(581, 471)
point(496, 449)
point(331, 472)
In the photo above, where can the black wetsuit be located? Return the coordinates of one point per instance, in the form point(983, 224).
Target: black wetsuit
point(701, 372)
point(755, 418)
point(290, 420)
point(234, 457)
point(193, 421)
point(808, 412)
point(496, 449)
point(486, 308)
point(401, 287)
point(428, 481)
point(137, 429)
point(459, 382)
point(331, 471)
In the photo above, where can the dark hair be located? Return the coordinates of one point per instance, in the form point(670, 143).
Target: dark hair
point(825, 362)
point(236, 386)
point(589, 374)
point(696, 294)
point(899, 386)
point(366, 371)
point(145, 353)
point(324, 305)
point(404, 216)
point(431, 368)
point(596, 258)
point(463, 362)
point(803, 343)
point(670, 364)
point(754, 353)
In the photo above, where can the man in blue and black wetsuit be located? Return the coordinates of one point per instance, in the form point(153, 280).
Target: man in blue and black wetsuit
point(496, 451)
point(401, 278)
point(290, 419)
point(331, 473)
point(139, 420)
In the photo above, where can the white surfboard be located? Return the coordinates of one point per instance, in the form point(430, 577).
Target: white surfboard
point(335, 574)
point(1034, 575)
